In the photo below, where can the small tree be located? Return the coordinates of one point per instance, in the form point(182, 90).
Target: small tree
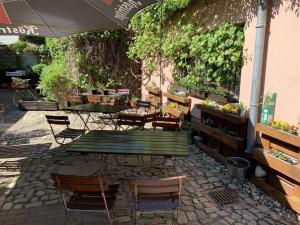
point(56, 83)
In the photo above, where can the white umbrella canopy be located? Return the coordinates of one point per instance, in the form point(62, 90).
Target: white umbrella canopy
point(56, 18)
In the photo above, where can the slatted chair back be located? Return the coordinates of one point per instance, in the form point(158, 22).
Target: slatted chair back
point(111, 91)
point(131, 120)
point(166, 122)
point(124, 91)
point(67, 132)
point(157, 186)
point(151, 117)
point(77, 183)
point(155, 195)
point(87, 193)
point(58, 120)
point(93, 99)
point(74, 99)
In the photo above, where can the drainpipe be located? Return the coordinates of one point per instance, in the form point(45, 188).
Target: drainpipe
point(257, 72)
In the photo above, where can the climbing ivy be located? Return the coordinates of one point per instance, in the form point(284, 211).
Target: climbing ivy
point(201, 56)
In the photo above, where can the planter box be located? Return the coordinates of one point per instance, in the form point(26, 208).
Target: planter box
point(292, 171)
point(38, 106)
point(235, 119)
point(291, 200)
point(182, 100)
point(234, 142)
point(211, 152)
point(279, 135)
point(173, 112)
point(153, 91)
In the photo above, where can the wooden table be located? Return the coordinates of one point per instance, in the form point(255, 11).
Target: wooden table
point(151, 143)
point(110, 110)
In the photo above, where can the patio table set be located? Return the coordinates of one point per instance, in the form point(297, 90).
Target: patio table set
point(94, 192)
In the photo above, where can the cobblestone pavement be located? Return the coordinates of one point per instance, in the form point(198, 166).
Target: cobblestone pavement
point(28, 197)
point(25, 189)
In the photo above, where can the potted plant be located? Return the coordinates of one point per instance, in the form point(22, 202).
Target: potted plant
point(280, 155)
point(284, 126)
point(210, 104)
point(133, 101)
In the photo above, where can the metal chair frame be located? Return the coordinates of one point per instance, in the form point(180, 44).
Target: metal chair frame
point(85, 186)
point(168, 188)
point(67, 133)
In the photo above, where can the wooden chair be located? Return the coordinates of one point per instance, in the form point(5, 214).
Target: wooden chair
point(166, 122)
point(67, 133)
point(93, 99)
point(86, 194)
point(131, 121)
point(74, 100)
point(155, 195)
point(124, 91)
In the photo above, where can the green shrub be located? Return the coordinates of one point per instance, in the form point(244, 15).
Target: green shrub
point(56, 84)
point(38, 68)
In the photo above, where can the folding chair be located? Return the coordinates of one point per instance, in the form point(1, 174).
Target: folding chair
point(166, 123)
point(67, 133)
point(74, 99)
point(131, 121)
point(93, 99)
point(155, 195)
point(86, 194)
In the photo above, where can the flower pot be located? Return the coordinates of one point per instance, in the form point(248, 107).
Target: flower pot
point(105, 92)
point(133, 105)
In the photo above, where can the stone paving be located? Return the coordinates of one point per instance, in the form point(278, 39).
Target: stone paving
point(25, 184)
point(28, 197)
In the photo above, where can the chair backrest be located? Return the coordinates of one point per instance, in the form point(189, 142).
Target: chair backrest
point(151, 117)
point(143, 104)
point(124, 91)
point(58, 120)
point(111, 91)
point(157, 186)
point(166, 122)
point(78, 183)
point(93, 99)
point(74, 99)
point(131, 120)
point(108, 100)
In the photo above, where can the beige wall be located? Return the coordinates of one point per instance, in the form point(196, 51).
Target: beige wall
point(282, 63)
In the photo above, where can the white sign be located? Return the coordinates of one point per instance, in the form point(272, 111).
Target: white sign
point(125, 8)
point(17, 73)
point(20, 30)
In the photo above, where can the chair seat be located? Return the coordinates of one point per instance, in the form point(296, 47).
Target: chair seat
point(93, 200)
point(70, 133)
point(151, 202)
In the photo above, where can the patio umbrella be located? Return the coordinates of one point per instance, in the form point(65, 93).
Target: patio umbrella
point(55, 18)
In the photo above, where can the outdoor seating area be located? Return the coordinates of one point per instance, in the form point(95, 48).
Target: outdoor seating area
point(127, 112)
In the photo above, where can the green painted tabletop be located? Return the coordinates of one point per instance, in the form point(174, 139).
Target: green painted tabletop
point(156, 143)
point(97, 108)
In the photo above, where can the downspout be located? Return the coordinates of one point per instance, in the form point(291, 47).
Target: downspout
point(257, 72)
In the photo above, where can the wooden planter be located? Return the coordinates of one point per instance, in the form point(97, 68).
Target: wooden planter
point(215, 142)
point(283, 179)
point(38, 106)
point(197, 94)
point(180, 103)
point(173, 112)
point(175, 98)
point(153, 97)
